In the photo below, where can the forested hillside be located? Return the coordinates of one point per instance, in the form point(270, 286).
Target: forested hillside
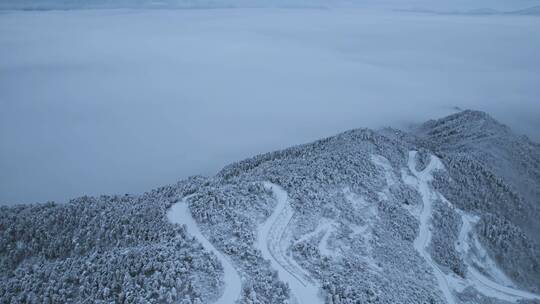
point(445, 213)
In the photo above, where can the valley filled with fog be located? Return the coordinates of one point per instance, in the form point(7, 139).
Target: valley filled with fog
point(124, 100)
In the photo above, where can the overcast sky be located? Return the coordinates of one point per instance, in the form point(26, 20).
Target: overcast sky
point(122, 101)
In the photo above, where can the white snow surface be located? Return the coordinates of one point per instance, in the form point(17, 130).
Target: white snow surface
point(323, 245)
point(273, 242)
point(499, 286)
point(389, 175)
point(179, 213)
point(421, 181)
point(474, 253)
point(327, 227)
point(370, 216)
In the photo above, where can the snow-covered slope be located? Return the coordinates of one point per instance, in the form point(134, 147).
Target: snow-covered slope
point(496, 173)
point(179, 214)
point(274, 246)
point(445, 213)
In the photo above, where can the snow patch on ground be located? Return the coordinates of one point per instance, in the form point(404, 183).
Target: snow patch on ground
point(326, 227)
point(323, 244)
point(361, 206)
point(369, 216)
point(179, 213)
point(389, 175)
point(474, 253)
point(273, 241)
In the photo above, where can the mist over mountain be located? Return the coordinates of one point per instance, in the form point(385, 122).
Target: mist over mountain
point(446, 212)
point(405, 163)
point(104, 101)
point(521, 5)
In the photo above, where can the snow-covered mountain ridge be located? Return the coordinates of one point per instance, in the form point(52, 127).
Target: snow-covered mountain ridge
point(444, 213)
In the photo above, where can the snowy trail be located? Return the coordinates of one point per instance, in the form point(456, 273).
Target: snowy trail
point(421, 183)
point(481, 282)
point(447, 283)
point(327, 227)
point(273, 245)
point(180, 214)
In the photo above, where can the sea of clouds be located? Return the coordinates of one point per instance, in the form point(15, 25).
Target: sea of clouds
point(124, 100)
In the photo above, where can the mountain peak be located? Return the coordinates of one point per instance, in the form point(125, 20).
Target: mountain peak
point(465, 126)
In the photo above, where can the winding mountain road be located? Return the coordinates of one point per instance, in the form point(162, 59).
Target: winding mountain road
point(447, 283)
point(272, 241)
point(481, 282)
point(420, 181)
point(179, 213)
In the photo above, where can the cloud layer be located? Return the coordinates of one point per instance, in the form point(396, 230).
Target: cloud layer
point(118, 101)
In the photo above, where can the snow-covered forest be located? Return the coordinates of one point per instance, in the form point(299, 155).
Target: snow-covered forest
point(270, 151)
point(446, 212)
